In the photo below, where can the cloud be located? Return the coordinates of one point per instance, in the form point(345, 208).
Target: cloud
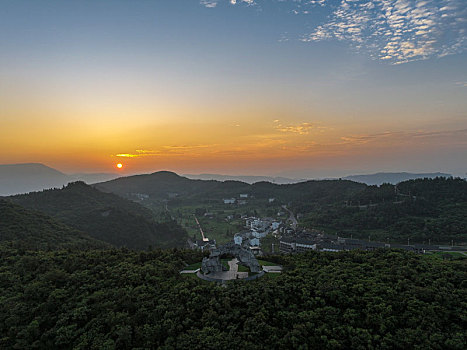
point(249, 2)
point(164, 150)
point(302, 129)
point(127, 155)
point(395, 137)
point(139, 153)
point(398, 31)
point(209, 3)
point(394, 31)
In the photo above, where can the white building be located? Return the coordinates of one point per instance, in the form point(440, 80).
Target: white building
point(254, 242)
point(229, 200)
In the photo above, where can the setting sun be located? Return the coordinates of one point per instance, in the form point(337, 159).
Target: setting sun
point(119, 165)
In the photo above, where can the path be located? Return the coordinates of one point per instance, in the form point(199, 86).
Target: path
point(232, 274)
point(205, 239)
point(291, 217)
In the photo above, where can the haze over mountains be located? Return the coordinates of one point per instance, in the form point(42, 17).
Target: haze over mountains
point(28, 177)
point(245, 178)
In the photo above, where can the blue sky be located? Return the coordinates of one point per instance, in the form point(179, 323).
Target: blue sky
point(380, 85)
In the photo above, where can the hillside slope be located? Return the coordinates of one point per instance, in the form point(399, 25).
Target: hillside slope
point(421, 210)
point(28, 229)
point(104, 216)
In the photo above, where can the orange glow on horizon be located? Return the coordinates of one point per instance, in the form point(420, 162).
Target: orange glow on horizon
point(119, 165)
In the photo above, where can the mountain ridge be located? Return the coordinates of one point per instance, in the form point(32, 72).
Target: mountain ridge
point(392, 177)
point(104, 216)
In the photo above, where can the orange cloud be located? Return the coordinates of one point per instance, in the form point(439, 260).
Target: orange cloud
point(302, 129)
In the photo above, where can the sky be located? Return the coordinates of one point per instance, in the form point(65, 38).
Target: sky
point(297, 88)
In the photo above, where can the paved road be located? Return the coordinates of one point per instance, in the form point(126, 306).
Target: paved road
point(291, 217)
point(205, 239)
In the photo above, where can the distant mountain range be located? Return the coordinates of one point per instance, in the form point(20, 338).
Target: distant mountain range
point(392, 178)
point(165, 185)
point(29, 177)
point(244, 178)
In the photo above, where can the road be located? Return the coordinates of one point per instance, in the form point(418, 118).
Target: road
point(205, 239)
point(291, 217)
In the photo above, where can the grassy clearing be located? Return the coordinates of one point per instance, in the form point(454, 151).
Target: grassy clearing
point(266, 263)
point(242, 268)
point(271, 275)
point(225, 262)
point(193, 266)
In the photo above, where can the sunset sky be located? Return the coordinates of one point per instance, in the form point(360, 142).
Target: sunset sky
point(297, 88)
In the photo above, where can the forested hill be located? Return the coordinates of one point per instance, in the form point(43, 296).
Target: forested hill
point(104, 216)
point(392, 178)
point(28, 229)
point(166, 185)
point(421, 210)
point(120, 299)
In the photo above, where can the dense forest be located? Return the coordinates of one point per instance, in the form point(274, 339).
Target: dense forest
point(104, 216)
point(421, 210)
point(27, 229)
point(106, 299)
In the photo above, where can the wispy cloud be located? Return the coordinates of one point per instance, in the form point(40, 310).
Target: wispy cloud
point(138, 153)
point(249, 2)
point(209, 3)
point(394, 137)
point(398, 31)
point(164, 150)
point(302, 129)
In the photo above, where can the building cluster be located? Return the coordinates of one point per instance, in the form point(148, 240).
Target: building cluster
point(202, 245)
point(303, 241)
point(242, 200)
point(256, 229)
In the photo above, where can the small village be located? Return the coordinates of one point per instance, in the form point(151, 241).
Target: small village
point(288, 237)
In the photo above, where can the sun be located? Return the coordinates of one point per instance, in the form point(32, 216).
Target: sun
point(119, 165)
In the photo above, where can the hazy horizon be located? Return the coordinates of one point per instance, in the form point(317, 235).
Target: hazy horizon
point(249, 87)
point(338, 173)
